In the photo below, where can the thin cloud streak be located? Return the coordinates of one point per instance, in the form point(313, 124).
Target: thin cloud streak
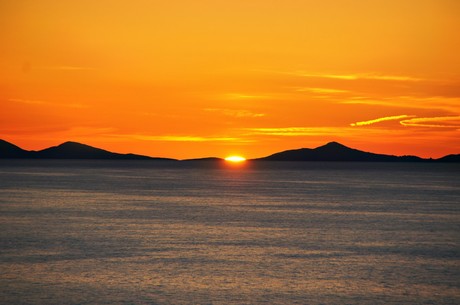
point(321, 90)
point(30, 102)
point(241, 113)
point(351, 133)
point(242, 96)
point(294, 131)
point(413, 121)
point(46, 103)
point(433, 122)
point(435, 102)
point(67, 68)
point(383, 119)
point(171, 138)
point(360, 76)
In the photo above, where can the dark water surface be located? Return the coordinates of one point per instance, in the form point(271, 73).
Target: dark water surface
point(137, 232)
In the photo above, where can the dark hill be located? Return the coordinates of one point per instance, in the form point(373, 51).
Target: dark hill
point(449, 158)
point(334, 151)
point(67, 150)
point(211, 159)
point(8, 150)
point(74, 150)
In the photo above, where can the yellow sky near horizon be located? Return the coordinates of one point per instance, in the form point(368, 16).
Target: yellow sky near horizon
point(200, 78)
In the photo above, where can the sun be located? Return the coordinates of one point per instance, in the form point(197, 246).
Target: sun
point(235, 159)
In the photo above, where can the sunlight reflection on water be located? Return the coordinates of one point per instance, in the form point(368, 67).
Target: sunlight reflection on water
point(89, 233)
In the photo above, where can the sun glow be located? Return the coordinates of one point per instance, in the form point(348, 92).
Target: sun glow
point(235, 159)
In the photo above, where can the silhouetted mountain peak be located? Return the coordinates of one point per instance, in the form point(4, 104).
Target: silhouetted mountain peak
point(334, 151)
point(333, 145)
point(450, 158)
point(7, 145)
point(66, 150)
point(74, 150)
point(70, 145)
point(9, 150)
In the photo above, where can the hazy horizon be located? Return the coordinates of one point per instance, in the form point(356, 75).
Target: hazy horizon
point(213, 156)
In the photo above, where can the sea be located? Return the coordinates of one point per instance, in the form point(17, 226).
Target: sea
point(153, 232)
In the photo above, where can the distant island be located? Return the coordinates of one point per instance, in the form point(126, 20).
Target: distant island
point(332, 151)
point(67, 150)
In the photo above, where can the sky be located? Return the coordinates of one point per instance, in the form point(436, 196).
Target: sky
point(198, 78)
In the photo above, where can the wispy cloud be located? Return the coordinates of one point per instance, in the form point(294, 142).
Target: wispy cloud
point(292, 131)
point(319, 132)
point(67, 68)
point(333, 76)
point(433, 122)
point(28, 67)
point(183, 138)
point(359, 76)
point(383, 119)
point(322, 90)
point(368, 101)
point(238, 113)
point(435, 102)
point(242, 96)
point(390, 77)
point(91, 130)
point(413, 121)
point(26, 101)
point(46, 103)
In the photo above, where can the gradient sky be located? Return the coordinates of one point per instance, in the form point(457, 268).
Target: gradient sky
point(196, 78)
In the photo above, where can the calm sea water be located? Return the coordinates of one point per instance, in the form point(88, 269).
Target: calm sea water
point(136, 232)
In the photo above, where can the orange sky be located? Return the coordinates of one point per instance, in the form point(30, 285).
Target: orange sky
point(196, 78)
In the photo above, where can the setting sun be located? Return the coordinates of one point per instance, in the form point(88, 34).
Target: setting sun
point(236, 159)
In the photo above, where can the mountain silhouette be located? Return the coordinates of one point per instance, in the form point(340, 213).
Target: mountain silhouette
point(67, 150)
point(206, 159)
point(334, 151)
point(450, 158)
point(8, 150)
